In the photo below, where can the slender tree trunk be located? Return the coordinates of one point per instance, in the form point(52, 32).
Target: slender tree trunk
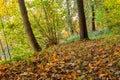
point(33, 42)
point(69, 19)
point(5, 37)
point(82, 20)
point(3, 51)
point(93, 16)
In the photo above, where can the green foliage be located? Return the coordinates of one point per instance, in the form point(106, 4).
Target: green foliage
point(18, 56)
point(0, 27)
point(100, 33)
point(93, 35)
point(47, 24)
point(46, 20)
point(107, 15)
point(72, 39)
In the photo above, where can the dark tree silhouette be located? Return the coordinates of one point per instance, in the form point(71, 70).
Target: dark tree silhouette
point(82, 20)
point(33, 42)
point(93, 16)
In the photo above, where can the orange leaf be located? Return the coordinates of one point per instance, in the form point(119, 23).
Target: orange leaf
point(100, 72)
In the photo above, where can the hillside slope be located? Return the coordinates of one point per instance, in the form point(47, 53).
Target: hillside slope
point(82, 60)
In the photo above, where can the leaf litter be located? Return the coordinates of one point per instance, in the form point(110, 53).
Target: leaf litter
point(80, 60)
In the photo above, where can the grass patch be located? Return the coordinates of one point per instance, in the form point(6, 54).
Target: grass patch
point(72, 39)
point(17, 57)
point(92, 35)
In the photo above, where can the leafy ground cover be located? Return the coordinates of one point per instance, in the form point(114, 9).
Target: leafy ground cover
point(97, 59)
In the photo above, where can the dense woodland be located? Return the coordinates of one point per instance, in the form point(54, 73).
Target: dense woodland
point(60, 40)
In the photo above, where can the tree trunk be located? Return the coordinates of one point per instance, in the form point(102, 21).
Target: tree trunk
point(6, 41)
point(5, 37)
point(69, 19)
point(3, 51)
point(93, 16)
point(33, 42)
point(82, 20)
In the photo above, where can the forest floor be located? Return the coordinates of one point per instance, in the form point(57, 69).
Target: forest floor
point(97, 59)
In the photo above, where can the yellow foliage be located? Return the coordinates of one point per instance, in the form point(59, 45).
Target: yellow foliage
point(118, 2)
point(64, 33)
point(7, 7)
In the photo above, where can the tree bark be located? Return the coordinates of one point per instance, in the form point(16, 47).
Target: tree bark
point(3, 51)
point(82, 20)
point(93, 16)
point(69, 19)
point(33, 42)
point(6, 41)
